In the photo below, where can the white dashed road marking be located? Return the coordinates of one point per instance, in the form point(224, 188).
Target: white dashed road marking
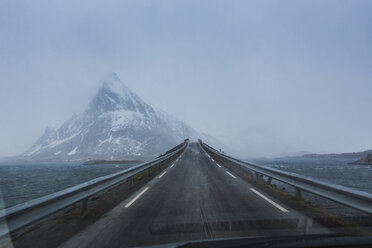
point(230, 174)
point(162, 174)
point(135, 198)
point(270, 201)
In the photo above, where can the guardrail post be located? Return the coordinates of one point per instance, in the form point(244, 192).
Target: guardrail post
point(131, 181)
point(298, 194)
point(269, 179)
point(257, 176)
point(84, 207)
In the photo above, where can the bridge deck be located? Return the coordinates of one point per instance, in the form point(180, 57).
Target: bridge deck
point(194, 198)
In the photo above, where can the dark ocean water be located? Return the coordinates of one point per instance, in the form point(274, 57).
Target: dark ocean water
point(336, 171)
point(21, 183)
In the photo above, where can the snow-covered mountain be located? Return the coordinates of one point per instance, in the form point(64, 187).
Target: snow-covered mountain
point(116, 124)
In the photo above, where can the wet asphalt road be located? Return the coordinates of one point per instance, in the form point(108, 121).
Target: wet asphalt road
point(194, 198)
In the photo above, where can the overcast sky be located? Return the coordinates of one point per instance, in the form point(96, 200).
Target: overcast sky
point(265, 77)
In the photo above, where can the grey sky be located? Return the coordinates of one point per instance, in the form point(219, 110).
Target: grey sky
point(263, 76)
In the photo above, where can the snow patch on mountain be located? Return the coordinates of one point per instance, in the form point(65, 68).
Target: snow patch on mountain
point(73, 151)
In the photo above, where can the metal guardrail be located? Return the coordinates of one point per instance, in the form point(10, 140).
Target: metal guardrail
point(24, 214)
point(349, 197)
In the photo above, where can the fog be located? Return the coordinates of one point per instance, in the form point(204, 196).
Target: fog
point(264, 77)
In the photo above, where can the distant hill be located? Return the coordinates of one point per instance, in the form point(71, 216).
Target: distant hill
point(366, 160)
point(351, 155)
point(291, 154)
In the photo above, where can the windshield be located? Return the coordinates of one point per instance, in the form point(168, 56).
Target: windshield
point(140, 123)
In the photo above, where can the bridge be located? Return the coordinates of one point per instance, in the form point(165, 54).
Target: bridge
point(192, 192)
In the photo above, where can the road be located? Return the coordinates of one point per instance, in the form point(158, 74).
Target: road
point(194, 198)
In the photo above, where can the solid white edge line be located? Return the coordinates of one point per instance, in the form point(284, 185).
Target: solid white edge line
point(162, 174)
point(135, 198)
point(230, 174)
point(270, 201)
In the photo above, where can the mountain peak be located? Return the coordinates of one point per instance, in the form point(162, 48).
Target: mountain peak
point(114, 96)
point(116, 86)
